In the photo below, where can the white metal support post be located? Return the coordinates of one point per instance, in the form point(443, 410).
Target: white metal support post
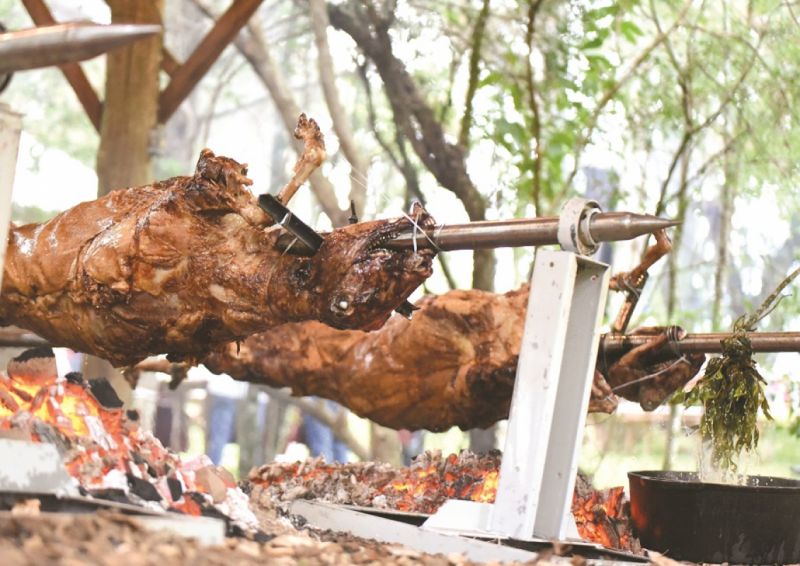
point(10, 128)
point(551, 396)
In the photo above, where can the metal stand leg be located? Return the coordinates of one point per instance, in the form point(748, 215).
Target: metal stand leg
point(551, 395)
point(548, 407)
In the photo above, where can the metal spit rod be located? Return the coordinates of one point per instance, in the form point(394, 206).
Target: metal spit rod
point(64, 43)
point(709, 343)
point(518, 232)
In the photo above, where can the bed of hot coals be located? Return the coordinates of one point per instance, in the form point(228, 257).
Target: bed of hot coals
point(602, 516)
point(105, 450)
point(109, 456)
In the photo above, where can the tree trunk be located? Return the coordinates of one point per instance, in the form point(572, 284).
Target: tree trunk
point(385, 445)
point(274, 428)
point(129, 117)
point(131, 102)
point(483, 440)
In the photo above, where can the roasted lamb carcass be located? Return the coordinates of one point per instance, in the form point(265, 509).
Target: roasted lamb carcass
point(453, 364)
point(190, 263)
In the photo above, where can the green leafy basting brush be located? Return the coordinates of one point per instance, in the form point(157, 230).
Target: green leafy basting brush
point(731, 391)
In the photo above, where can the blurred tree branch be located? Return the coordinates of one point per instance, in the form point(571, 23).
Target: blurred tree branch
point(533, 10)
point(474, 72)
point(252, 45)
point(341, 123)
point(633, 67)
point(415, 118)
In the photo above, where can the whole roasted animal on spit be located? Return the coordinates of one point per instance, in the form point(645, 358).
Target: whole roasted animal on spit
point(190, 263)
point(453, 364)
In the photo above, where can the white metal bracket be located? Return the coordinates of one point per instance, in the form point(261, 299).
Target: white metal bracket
point(551, 396)
point(548, 407)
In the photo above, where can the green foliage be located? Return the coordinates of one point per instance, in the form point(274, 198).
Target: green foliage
point(794, 426)
point(731, 393)
point(732, 390)
point(551, 85)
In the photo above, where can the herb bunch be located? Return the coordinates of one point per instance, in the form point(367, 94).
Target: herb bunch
point(732, 391)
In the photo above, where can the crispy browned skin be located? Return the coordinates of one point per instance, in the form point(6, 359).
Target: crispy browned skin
point(453, 364)
point(187, 264)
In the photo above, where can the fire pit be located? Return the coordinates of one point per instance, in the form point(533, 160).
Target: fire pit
point(102, 451)
point(677, 514)
point(601, 515)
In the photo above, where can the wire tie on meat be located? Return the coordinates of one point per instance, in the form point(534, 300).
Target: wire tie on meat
point(437, 233)
point(652, 375)
point(414, 233)
point(289, 247)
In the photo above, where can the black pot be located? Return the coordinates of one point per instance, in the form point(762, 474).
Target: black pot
point(678, 515)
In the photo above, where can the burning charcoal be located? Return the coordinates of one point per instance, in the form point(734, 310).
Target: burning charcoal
point(143, 488)
point(210, 482)
point(36, 364)
point(103, 447)
point(104, 393)
point(175, 488)
point(76, 378)
point(260, 537)
point(23, 420)
point(601, 516)
point(47, 433)
point(206, 508)
point(8, 401)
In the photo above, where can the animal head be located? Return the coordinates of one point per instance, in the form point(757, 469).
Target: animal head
point(357, 282)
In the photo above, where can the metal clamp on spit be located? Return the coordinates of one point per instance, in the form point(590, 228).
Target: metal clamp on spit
point(574, 234)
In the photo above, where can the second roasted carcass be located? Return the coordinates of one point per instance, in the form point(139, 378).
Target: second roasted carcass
point(187, 264)
point(453, 364)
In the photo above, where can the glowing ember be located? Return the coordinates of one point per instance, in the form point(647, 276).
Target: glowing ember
point(104, 448)
point(601, 516)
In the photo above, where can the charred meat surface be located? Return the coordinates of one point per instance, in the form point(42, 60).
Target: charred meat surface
point(187, 264)
point(453, 364)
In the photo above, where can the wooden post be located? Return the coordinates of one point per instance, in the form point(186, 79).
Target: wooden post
point(131, 102)
point(129, 117)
